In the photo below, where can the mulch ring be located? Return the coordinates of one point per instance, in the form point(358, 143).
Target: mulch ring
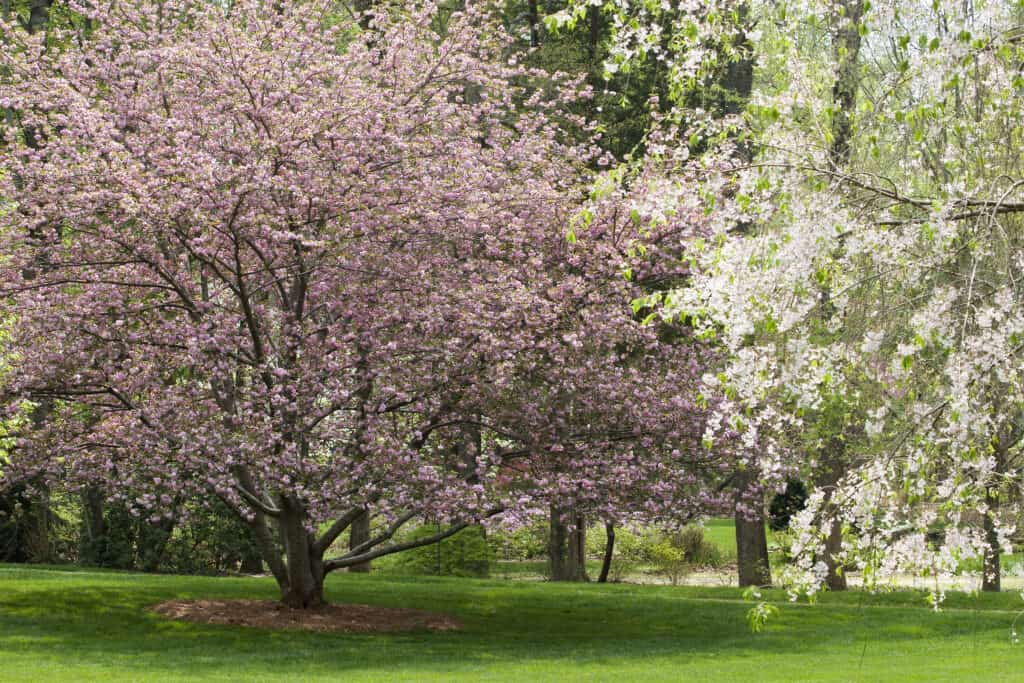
point(274, 615)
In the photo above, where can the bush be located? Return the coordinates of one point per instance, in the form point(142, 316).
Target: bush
point(528, 542)
point(670, 560)
point(464, 554)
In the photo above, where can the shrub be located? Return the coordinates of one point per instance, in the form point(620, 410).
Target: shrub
point(528, 542)
point(464, 554)
point(670, 560)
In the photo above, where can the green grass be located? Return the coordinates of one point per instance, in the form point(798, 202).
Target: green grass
point(58, 625)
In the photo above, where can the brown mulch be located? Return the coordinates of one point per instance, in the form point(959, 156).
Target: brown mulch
point(274, 615)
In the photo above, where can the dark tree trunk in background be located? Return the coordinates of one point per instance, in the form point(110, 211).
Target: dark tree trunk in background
point(847, 41)
point(751, 537)
point(533, 17)
point(37, 528)
point(567, 547)
point(39, 15)
point(609, 550)
point(359, 533)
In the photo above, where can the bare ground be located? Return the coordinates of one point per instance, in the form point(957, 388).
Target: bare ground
point(274, 615)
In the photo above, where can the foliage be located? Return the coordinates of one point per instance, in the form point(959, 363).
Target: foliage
point(863, 274)
point(524, 542)
point(467, 553)
point(670, 560)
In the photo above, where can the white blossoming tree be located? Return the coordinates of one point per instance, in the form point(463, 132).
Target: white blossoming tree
point(865, 272)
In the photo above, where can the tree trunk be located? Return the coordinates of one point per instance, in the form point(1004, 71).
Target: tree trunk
point(836, 577)
point(37, 529)
point(533, 17)
point(304, 568)
point(847, 41)
point(567, 548)
point(832, 459)
point(992, 571)
point(93, 526)
point(751, 538)
point(609, 549)
point(359, 533)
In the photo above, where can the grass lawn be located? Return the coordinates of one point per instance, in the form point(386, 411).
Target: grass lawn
point(60, 625)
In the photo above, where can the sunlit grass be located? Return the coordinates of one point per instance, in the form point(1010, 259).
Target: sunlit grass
point(60, 625)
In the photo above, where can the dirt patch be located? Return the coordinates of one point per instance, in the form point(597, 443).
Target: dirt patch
point(274, 615)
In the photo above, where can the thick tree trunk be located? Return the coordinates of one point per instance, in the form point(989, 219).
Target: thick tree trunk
point(359, 533)
point(304, 586)
point(751, 538)
point(992, 571)
point(609, 550)
point(567, 548)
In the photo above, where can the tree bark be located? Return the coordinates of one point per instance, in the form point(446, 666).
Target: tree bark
point(847, 41)
point(751, 537)
point(836, 577)
point(609, 549)
point(359, 533)
point(567, 547)
point(991, 570)
point(37, 529)
point(304, 586)
point(533, 17)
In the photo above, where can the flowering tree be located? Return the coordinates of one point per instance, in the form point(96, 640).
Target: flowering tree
point(862, 274)
point(876, 305)
point(255, 256)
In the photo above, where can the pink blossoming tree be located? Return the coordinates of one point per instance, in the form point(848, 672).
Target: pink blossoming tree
point(253, 255)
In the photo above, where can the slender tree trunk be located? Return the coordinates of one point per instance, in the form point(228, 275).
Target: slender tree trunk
point(533, 17)
point(992, 571)
point(359, 533)
point(751, 537)
point(609, 549)
point(847, 41)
